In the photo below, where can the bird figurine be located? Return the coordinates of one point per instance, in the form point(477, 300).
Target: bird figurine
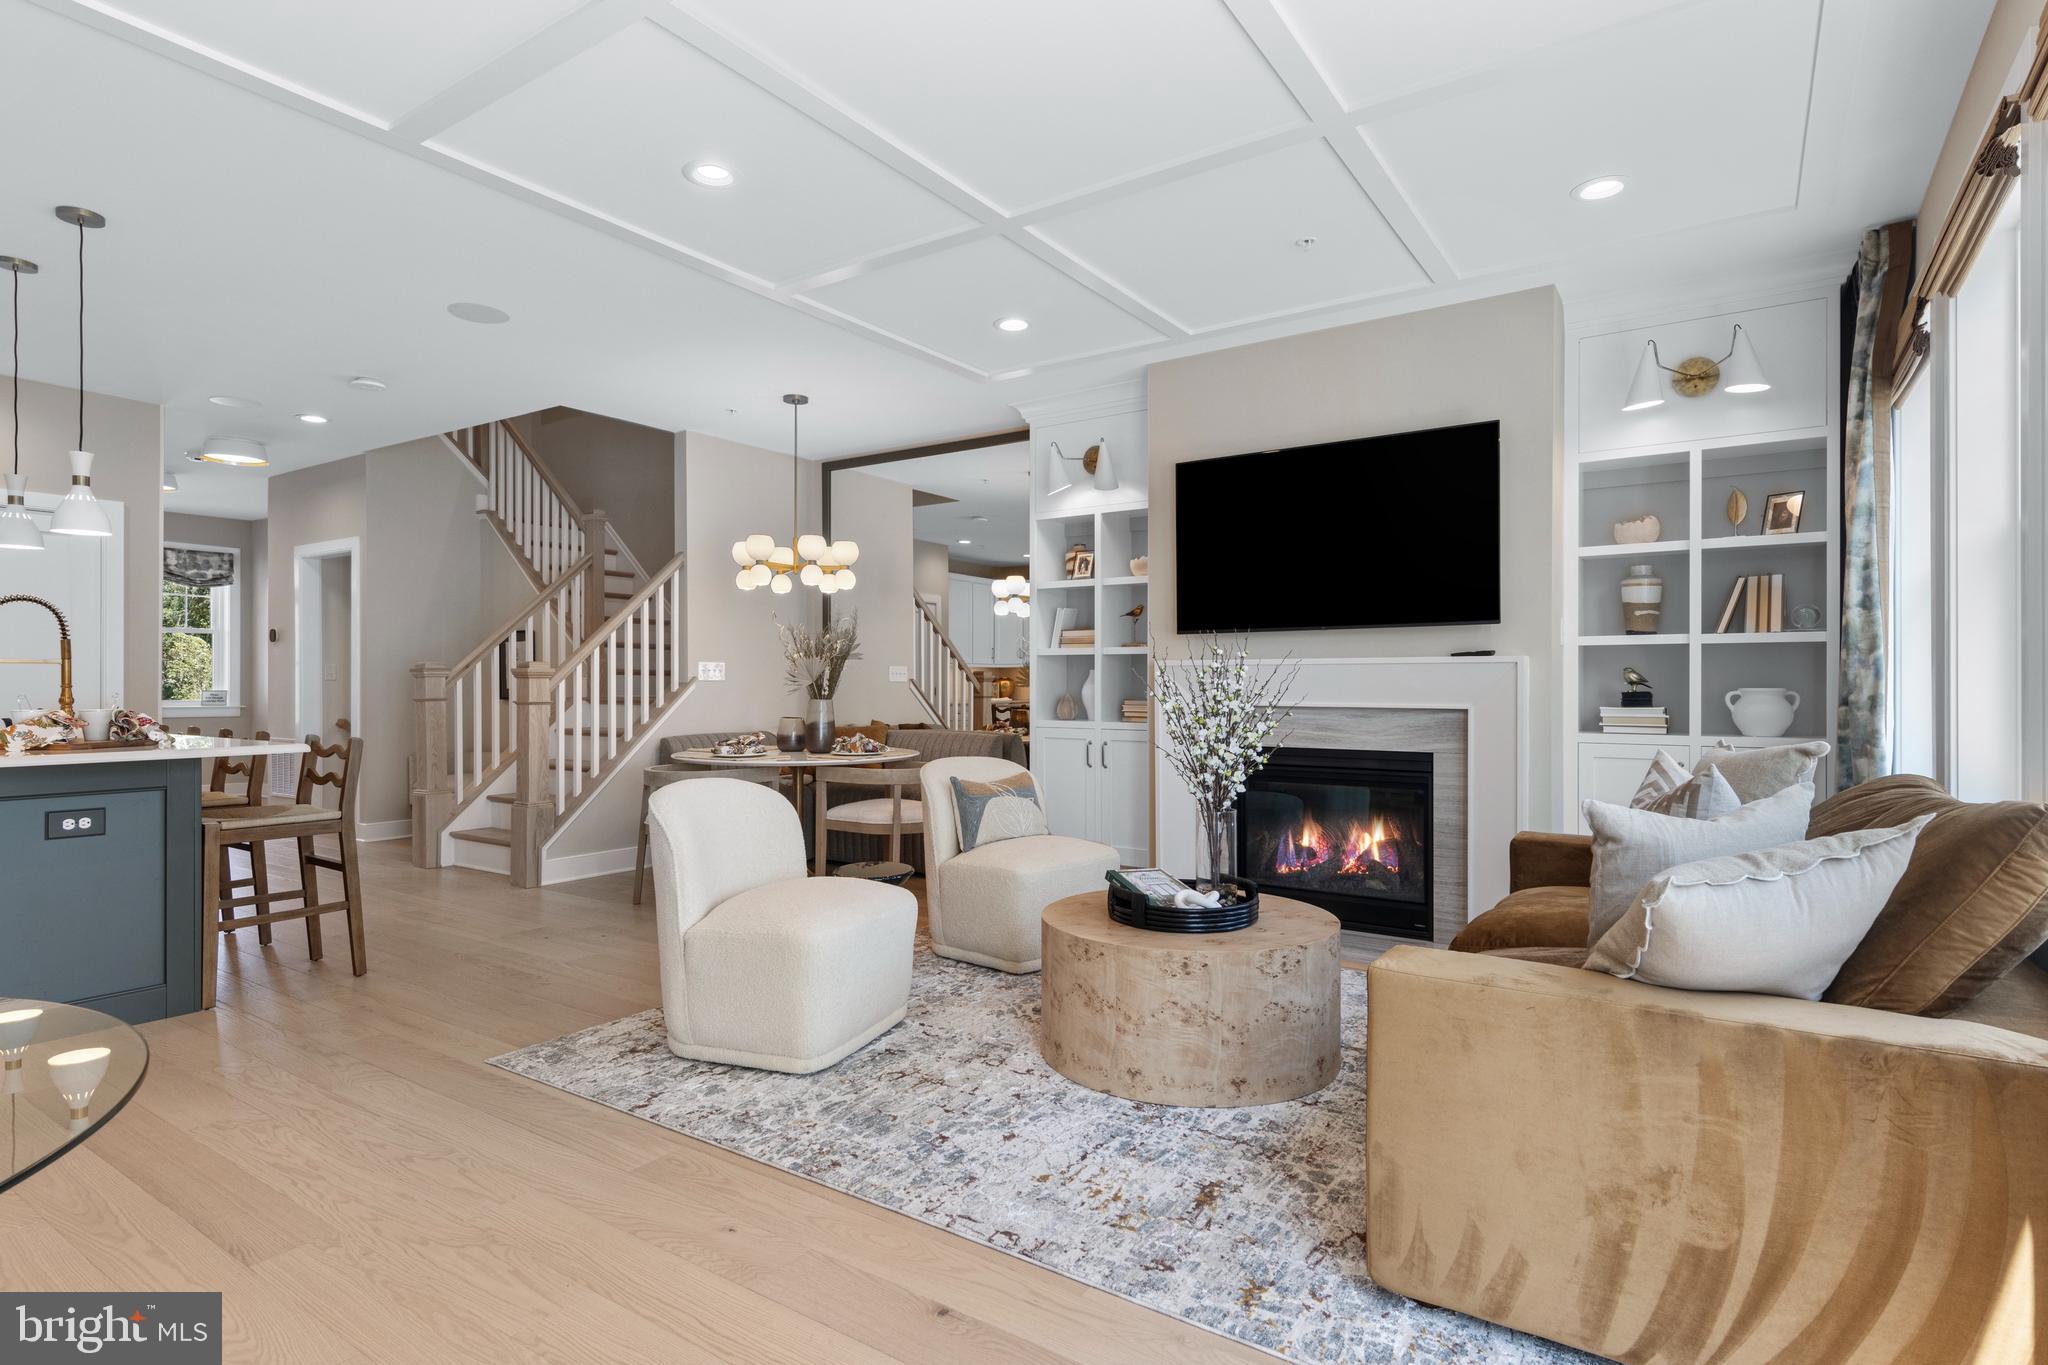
point(1636, 681)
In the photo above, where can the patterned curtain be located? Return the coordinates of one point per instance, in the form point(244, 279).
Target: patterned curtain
point(199, 568)
point(1862, 715)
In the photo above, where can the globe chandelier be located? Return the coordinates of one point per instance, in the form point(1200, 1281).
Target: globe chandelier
point(1013, 595)
point(806, 559)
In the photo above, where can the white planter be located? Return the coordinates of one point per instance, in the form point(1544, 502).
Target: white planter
point(1763, 712)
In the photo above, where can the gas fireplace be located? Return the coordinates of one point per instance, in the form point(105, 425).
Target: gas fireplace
point(1345, 829)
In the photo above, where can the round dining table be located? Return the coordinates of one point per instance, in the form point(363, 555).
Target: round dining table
point(64, 1071)
point(800, 762)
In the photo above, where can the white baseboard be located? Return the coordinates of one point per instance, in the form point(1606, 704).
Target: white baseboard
point(378, 831)
point(575, 867)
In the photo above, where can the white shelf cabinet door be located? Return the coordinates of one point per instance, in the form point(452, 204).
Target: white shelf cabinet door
point(1612, 772)
point(1123, 788)
point(1064, 765)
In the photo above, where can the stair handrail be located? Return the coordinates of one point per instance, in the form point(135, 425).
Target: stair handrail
point(932, 617)
point(562, 586)
point(590, 646)
point(616, 543)
point(547, 475)
point(950, 695)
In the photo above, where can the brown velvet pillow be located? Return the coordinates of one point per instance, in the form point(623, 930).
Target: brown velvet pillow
point(1535, 917)
point(1973, 902)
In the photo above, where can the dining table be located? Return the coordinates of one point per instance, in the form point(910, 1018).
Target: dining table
point(801, 763)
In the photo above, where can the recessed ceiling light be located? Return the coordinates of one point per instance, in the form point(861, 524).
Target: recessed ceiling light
point(1599, 187)
point(228, 400)
point(1012, 325)
point(367, 384)
point(709, 174)
point(966, 542)
point(313, 419)
point(479, 312)
point(237, 451)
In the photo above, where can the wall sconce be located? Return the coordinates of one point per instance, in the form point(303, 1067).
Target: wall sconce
point(1737, 372)
point(1093, 461)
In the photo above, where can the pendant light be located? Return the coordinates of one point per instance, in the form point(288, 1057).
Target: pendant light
point(80, 514)
point(18, 530)
point(807, 559)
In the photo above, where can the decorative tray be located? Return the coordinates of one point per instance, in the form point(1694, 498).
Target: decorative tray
point(1139, 913)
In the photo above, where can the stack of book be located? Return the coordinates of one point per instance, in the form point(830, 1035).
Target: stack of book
point(1078, 639)
point(1634, 720)
point(1137, 710)
point(1756, 604)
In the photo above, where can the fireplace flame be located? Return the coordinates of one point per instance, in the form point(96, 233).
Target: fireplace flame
point(1359, 849)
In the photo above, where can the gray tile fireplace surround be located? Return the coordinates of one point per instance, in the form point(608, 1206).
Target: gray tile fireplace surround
point(1439, 733)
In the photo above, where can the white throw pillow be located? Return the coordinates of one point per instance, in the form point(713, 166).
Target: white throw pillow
point(1757, 773)
point(1632, 846)
point(1669, 789)
point(1776, 921)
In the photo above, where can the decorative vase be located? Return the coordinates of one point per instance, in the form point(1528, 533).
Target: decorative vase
point(789, 734)
point(1638, 530)
point(1763, 712)
point(1642, 600)
point(1215, 849)
point(818, 726)
point(1088, 696)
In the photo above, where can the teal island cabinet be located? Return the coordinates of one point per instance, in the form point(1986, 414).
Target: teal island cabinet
point(99, 874)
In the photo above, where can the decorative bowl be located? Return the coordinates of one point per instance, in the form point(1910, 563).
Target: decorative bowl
point(1638, 530)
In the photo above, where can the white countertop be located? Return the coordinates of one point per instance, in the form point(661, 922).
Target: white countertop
point(180, 746)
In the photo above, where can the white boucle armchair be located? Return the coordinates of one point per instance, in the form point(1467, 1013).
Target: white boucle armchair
point(761, 965)
point(984, 905)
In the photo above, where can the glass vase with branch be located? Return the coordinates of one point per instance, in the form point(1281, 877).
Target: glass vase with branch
point(816, 660)
point(1216, 710)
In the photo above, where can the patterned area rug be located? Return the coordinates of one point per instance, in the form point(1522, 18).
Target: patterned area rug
point(1248, 1222)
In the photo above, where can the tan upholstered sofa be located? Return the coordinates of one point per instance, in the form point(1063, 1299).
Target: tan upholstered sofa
point(1673, 1176)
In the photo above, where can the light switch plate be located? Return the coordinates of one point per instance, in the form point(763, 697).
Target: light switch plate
point(899, 672)
point(711, 672)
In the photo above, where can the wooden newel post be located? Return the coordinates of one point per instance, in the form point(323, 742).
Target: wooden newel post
point(432, 797)
point(594, 612)
point(533, 803)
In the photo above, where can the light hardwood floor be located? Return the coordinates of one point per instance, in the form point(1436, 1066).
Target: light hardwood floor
point(332, 1154)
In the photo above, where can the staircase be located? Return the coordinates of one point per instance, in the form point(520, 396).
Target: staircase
point(529, 725)
point(940, 680)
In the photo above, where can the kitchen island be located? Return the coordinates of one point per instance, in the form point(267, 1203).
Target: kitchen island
point(99, 874)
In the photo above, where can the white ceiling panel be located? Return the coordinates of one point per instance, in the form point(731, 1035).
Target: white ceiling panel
point(376, 57)
point(1373, 50)
point(949, 301)
point(1220, 247)
point(613, 127)
point(1026, 103)
point(1705, 120)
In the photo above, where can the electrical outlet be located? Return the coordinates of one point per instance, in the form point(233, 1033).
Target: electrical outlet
point(74, 824)
point(899, 672)
point(711, 672)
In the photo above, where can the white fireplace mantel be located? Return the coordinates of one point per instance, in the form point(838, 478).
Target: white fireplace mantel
point(1491, 691)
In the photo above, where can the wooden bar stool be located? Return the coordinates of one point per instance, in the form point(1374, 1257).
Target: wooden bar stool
point(661, 775)
point(218, 800)
point(879, 814)
point(304, 822)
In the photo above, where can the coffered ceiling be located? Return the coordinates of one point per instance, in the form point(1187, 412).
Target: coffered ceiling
point(298, 190)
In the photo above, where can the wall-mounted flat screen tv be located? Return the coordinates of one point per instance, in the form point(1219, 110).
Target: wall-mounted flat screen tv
point(1377, 531)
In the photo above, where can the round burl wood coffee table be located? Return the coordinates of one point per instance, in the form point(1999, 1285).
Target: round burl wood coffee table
point(1214, 1020)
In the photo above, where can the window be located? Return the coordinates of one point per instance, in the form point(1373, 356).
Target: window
point(1914, 647)
point(199, 635)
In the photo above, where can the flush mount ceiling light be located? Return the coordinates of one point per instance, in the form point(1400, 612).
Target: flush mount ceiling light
point(18, 530)
point(367, 384)
point(478, 312)
point(807, 559)
point(709, 174)
point(235, 451)
point(228, 400)
point(1598, 188)
point(1013, 325)
point(1094, 461)
point(170, 484)
point(80, 514)
point(1696, 376)
point(313, 419)
point(1013, 595)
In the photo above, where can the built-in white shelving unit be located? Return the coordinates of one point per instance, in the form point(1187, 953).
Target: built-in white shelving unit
point(1693, 454)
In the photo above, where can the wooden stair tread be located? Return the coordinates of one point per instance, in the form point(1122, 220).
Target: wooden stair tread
point(488, 834)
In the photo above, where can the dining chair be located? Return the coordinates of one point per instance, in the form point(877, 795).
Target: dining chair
point(886, 812)
point(217, 799)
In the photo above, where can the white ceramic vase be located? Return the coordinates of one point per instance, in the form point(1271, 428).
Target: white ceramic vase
point(1763, 712)
point(1088, 696)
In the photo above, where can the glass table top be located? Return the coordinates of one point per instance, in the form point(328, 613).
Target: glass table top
point(64, 1071)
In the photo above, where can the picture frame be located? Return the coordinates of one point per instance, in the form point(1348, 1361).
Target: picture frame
point(1074, 552)
point(1083, 565)
point(1781, 513)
